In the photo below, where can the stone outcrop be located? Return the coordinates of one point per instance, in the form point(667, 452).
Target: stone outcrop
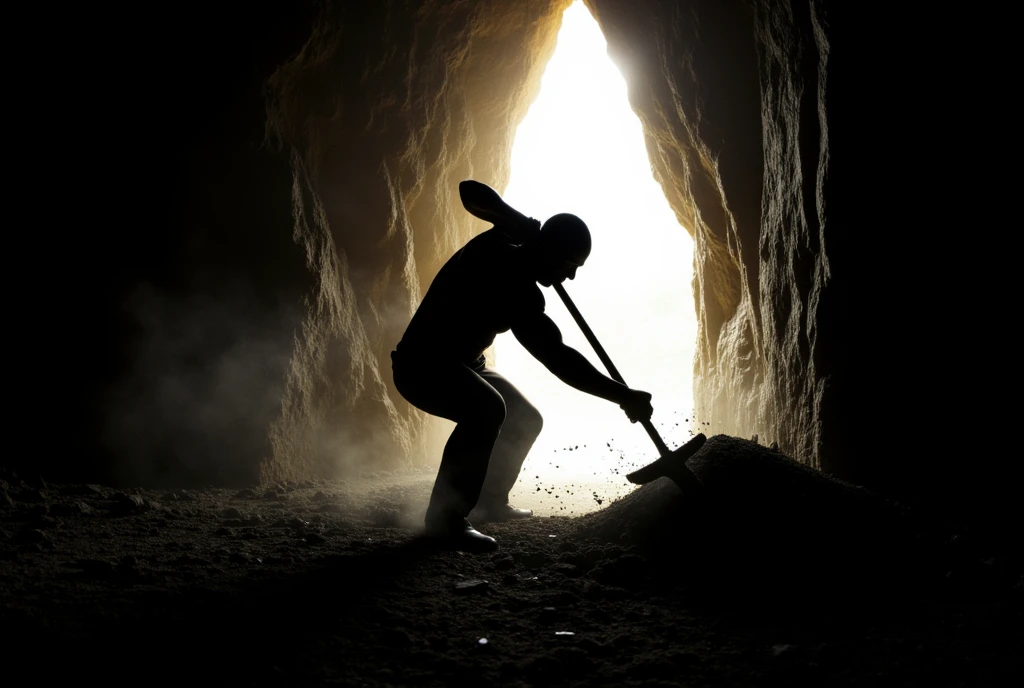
point(729, 94)
point(386, 111)
point(387, 108)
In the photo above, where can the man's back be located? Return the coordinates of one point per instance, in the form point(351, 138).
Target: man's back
point(481, 291)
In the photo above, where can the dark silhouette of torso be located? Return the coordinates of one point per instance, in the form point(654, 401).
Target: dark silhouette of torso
point(483, 290)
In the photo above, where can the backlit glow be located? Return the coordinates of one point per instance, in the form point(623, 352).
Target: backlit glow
point(580, 149)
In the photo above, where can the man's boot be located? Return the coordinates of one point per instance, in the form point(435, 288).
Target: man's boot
point(492, 510)
point(459, 535)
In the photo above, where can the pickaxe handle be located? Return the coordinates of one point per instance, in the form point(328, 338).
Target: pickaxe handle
point(663, 449)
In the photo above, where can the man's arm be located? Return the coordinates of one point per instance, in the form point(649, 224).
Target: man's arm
point(541, 337)
point(484, 202)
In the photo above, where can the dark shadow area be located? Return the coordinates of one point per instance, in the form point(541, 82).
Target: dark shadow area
point(314, 584)
point(906, 416)
point(242, 634)
point(771, 536)
point(163, 215)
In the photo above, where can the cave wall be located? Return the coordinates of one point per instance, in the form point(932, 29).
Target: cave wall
point(730, 95)
point(375, 187)
point(693, 80)
point(918, 119)
point(770, 125)
point(838, 164)
point(387, 107)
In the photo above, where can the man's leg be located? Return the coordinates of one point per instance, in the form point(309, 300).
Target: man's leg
point(456, 392)
point(523, 424)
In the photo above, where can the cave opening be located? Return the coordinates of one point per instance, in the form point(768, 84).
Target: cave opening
point(581, 149)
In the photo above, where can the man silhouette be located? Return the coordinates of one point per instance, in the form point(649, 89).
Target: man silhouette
point(487, 287)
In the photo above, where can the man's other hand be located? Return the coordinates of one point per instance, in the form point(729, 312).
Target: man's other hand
point(637, 406)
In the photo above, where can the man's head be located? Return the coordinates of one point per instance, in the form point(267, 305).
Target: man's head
point(564, 247)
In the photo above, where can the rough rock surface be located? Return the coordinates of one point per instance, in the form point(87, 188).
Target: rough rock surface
point(387, 110)
point(730, 97)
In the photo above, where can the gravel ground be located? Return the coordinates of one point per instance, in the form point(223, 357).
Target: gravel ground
point(330, 582)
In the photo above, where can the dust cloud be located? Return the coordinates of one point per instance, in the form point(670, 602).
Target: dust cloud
point(204, 381)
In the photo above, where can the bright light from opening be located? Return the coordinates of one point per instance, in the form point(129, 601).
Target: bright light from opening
point(581, 150)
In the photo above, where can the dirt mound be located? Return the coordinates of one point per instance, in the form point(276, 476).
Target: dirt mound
point(765, 522)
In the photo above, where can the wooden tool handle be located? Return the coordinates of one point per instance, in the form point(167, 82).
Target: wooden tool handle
point(612, 370)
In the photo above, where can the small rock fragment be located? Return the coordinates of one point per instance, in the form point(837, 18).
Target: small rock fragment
point(504, 564)
point(82, 508)
point(128, 504)
point(472, 585)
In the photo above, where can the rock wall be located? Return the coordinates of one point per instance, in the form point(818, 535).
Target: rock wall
point(693, 81)
point(388, 106)
point(839, 166)
point(731, 98)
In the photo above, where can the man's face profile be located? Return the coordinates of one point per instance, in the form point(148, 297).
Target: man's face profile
point(560, 267)
point(566, 245)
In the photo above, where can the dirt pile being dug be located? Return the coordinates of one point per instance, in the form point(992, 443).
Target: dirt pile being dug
point(766, 526)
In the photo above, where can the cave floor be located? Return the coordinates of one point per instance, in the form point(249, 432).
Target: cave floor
point(329, 583)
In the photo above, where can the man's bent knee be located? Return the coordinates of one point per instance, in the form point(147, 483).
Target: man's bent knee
point(532, 421)
point(488, 412)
